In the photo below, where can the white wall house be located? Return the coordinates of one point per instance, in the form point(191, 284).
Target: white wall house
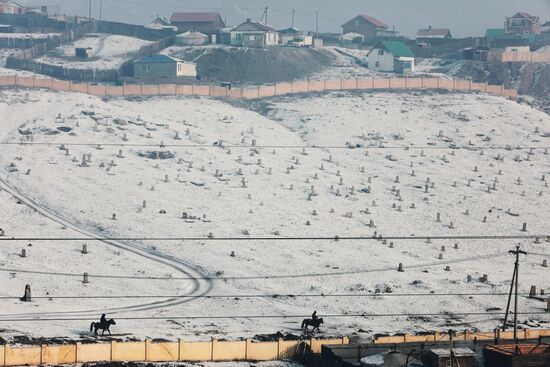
point(391, 56)
point(254, 34)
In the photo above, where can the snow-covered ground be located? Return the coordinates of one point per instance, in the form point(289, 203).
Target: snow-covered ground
point(273, 189)
point(108, 52)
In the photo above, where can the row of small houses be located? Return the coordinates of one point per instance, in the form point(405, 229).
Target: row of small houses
point(362, 28)
point(202, 28)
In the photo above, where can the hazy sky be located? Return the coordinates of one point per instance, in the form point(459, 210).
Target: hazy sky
point(463, 17)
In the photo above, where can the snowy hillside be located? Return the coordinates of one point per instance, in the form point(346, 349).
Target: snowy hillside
point(108, 52)
point(156, 168)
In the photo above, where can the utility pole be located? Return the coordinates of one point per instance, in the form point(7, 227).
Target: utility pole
point(451, 347)
point(266, 11)
point(100, 9)
point(293, 11)
point(90, 10)
point(514, 284)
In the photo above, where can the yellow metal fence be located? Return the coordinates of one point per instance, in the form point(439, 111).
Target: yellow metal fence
point(217, 351)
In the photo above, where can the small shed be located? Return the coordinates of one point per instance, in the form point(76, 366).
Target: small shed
point(83, 52)
point(192, 38)
point(442, 357)
point(6, 28)
point(517, 355)
point(162, 66)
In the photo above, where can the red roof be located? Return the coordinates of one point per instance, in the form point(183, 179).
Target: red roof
point(372, 20)
point(532, 18)
point(194, 17)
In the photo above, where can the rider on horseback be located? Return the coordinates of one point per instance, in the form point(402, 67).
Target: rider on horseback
point(314, 316)
point(103, 319)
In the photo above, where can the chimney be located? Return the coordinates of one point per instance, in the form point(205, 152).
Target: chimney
point(429, 27)
point(248, 20)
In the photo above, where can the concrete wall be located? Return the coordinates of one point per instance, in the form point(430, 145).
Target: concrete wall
point(262, 91)
point(507, 335)
point(158, 352)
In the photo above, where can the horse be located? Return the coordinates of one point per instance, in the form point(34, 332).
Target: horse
point(310, 322)
point(102, 326)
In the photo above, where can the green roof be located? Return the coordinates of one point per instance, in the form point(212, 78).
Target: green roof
point(494, 32)
point(396, 48)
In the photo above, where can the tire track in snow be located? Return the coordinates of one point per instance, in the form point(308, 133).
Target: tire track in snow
point(199, 287)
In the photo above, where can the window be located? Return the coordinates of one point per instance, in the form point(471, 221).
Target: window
point(381, 52)
point(519, 23)
point(179, 67)
point(145, 68)
point(377, 64)
point(358, 22)
point(253, 38)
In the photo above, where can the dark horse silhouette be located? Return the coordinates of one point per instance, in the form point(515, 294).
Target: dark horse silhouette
point(95, 326)
point(314, 323)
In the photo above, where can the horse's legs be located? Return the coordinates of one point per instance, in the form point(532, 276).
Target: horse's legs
point(109, 330)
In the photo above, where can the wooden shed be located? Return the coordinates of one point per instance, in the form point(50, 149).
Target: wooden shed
point(440, 357)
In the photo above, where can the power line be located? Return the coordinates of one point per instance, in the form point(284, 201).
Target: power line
point(275, 295)
point(263, 277)
point(218, 317)
point(312, 238)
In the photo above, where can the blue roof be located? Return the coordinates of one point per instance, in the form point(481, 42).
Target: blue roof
point(157, 59)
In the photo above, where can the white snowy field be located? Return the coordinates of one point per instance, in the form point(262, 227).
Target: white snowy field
point(28, 35)
point(108, 52)
point(327, 188)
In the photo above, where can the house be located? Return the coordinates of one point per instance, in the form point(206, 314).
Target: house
point(162, 66)
point(391, 56)
point(191, 38)
point(545, 27)
point(442, 357)
point(287, 35)
point(161, 23)
point(207, 23)
point(512, 355)
point(254, 34)
point(433, 36)
point(517, 49)
point(369, 27)
point(522, 24)
point(11, 7)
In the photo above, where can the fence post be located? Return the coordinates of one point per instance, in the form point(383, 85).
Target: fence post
point(77, 352)
point(212, 350)
point(258, 92)
point(42, 353)
point(341, 84)
point(246, 346)
point(438, 83)
point(422, 82)
point(112, 347)
point(279, 348)
point(147, 342)
point(470, 85)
